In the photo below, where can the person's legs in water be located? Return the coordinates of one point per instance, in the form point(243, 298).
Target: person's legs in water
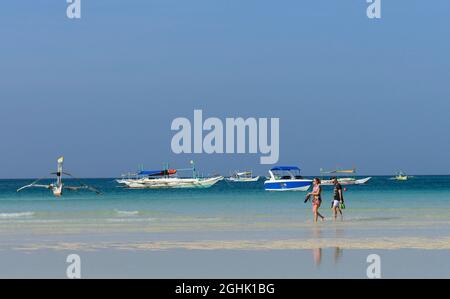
point(340, 211)
point(320, 215)
point(336, 209)
point(316, 212)
point(333, 209)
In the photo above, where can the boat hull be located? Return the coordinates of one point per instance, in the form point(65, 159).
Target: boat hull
point(401, 178)
point(347, 181)
point(287, 185)
point(171, 183)
point(242, 180)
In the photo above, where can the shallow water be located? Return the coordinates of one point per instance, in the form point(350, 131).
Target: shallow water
point(422, 202)
point(383, 215)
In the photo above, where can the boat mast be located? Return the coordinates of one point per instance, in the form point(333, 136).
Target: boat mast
point(193, 170)
point(59, 171)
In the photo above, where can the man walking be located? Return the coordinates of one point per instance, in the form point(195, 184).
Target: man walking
point(338, 198)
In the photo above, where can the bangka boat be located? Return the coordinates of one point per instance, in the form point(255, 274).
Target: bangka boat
point(58, 187)
point(164, 179)
point(347, 181)
point(167, 183)
point(243, 177)
point(286, 178)
point(344, 180)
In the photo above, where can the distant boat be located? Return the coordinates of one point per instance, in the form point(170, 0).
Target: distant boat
point(401, 176)
point(164, 179)
point(347, 181)
point(243, 177)
point(171, 183)
point(58, 186)
point(344, 180)
point(286, 178)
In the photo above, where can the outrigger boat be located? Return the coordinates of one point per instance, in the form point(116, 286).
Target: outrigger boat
point(57, 187)
point(165, 179)
point(345, 180)
point(243, 177)
point(286, 178)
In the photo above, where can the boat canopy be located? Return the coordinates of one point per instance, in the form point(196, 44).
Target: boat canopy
point(285, 168)
point(157, 172)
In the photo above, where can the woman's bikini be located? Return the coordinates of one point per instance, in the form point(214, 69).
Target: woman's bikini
point(317, 198)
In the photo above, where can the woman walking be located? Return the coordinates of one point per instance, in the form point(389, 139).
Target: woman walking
point(317, 199)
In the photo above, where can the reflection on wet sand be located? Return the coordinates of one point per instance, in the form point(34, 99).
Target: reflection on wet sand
point(317, 256)
point(317, 252)
point(339, 233)
point(337, 254)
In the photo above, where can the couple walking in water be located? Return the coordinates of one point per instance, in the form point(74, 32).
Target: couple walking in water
point(336, 204)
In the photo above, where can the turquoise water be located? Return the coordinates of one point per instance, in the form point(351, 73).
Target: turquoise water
point(234, 211)
point(380, 196)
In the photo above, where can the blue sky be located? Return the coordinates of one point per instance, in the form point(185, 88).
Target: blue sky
point(103, 90)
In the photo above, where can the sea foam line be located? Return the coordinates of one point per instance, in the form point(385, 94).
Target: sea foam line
point(16, 215)
point(127, 213)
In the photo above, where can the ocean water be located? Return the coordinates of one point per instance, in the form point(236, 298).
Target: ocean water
point(423, 202)
point(228, 220)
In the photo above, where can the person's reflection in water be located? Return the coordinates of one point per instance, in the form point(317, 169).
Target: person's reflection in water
point(339, 233)
point(337, 254)
point(317, 256)
point(317, 252)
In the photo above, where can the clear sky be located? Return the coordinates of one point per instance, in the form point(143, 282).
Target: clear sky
point(103, 90)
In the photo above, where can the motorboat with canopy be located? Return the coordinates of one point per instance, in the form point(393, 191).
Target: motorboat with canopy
point(286, 178)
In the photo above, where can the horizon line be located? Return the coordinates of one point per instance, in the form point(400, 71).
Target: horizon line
point(320, 176)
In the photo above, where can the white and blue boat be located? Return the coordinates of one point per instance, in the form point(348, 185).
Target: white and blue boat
point(286, 178)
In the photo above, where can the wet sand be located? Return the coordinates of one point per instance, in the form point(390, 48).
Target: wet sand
point(185, 263)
